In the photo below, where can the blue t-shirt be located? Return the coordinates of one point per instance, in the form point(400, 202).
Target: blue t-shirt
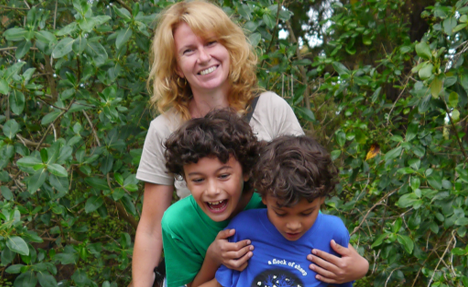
point(277, 261)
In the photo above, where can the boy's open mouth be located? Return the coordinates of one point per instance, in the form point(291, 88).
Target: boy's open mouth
point(217, 206)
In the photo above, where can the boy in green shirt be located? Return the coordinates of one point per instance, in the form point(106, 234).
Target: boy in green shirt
point(215, 155)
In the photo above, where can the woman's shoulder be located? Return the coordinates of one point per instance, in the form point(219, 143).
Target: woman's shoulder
point(167, 122)
point(271, 100)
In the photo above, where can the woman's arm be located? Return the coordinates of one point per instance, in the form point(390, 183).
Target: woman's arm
point(148, 240)
point(335, 270)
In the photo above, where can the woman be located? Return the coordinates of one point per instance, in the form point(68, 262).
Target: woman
point(202, 61)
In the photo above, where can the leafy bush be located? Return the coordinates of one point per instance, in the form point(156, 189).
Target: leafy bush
point(392, 108)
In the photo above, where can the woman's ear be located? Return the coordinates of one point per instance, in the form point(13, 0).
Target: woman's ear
point(179, 71)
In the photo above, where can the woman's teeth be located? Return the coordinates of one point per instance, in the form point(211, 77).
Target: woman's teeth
point(207, 71)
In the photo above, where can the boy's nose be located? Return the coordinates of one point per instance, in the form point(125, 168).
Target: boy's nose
point(212, 189)
point(293, 226)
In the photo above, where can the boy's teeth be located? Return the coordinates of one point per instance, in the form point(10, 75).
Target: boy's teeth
point(215, 202)
point(207, 71)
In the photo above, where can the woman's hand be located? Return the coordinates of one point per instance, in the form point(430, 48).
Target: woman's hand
point(335, 270)
point(233, 255)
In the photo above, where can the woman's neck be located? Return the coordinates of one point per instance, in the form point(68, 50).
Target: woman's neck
point(203, 103)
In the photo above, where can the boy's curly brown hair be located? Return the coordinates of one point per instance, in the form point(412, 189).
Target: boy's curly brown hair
point(291, 168)
point(221, 134)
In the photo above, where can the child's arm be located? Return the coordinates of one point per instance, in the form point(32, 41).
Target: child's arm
point(221, 252)
point(334, 270)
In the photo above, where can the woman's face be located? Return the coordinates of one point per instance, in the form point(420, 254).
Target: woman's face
point(203, 62)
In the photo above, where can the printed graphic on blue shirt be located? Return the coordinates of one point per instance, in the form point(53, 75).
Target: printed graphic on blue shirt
point(277, 278)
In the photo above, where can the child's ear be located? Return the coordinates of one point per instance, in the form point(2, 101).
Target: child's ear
point(246, 177)
point(264, 200)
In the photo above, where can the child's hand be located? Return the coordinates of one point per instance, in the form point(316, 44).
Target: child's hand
point(332, 269)
point(233, 255)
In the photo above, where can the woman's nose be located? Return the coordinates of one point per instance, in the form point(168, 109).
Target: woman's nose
point(204, 56)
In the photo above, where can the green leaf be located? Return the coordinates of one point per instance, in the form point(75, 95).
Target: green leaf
point(98, 183)
point(28, 161)
point(118, 193)
point(393, 153)
point(411, 131)
point(448, 24)
point(10, 129)
point(406, 242)
point(375, 95)
point(59, 183)
point(79, 45)
point(45, 36)
point(17, 102)
point(405, 170)
point(415, 183)
point(340, 68)
point(93, 203)
point(18, 245)
point(36, 180)
point(128, 204)
point(123, 36)
point(453, 100)
point(423, 50)
point(122, 12)
point(6, 193)
point(435, 182)
point(66, 258)
point(426, 71)
point(46, 280)
point(340, 137)
point(69, 29)
point(14, 269)
point(255, 39)
point(50, 117)
point(379, 240)
point(269, 20)
point(302, 62)
point(335, 154)
point(15, 34)
point(459, 27)
point(27, 279)
point(4, 87)
point(462, 221)
point(63, 48)
point(22, 49)
point(436, 87)
point(455, 115)
point(306, 114)
point(97, 52)
point(57, 169)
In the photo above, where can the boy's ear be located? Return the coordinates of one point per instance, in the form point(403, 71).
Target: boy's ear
point(246, 177)
point(264, 200)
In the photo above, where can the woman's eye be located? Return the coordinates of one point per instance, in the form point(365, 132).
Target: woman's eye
point(211, 43)
point(187, 51)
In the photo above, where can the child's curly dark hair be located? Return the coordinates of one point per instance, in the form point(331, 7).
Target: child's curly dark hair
point(291, 168)
point(221, 133)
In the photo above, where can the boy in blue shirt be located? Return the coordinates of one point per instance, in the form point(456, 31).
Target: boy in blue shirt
point(293, 177)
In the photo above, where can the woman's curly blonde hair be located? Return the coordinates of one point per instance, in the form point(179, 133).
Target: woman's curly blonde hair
point(205, 19)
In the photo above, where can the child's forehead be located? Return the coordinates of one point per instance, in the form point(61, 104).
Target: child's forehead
point(302, 204)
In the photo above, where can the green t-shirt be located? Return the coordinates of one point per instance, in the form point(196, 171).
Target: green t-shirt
point(187, 233)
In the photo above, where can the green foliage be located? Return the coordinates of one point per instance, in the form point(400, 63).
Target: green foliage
point(391, 109)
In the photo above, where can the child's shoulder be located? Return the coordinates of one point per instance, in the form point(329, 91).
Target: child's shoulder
point(248, 215)
point(172, 216)
point(333, 223)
